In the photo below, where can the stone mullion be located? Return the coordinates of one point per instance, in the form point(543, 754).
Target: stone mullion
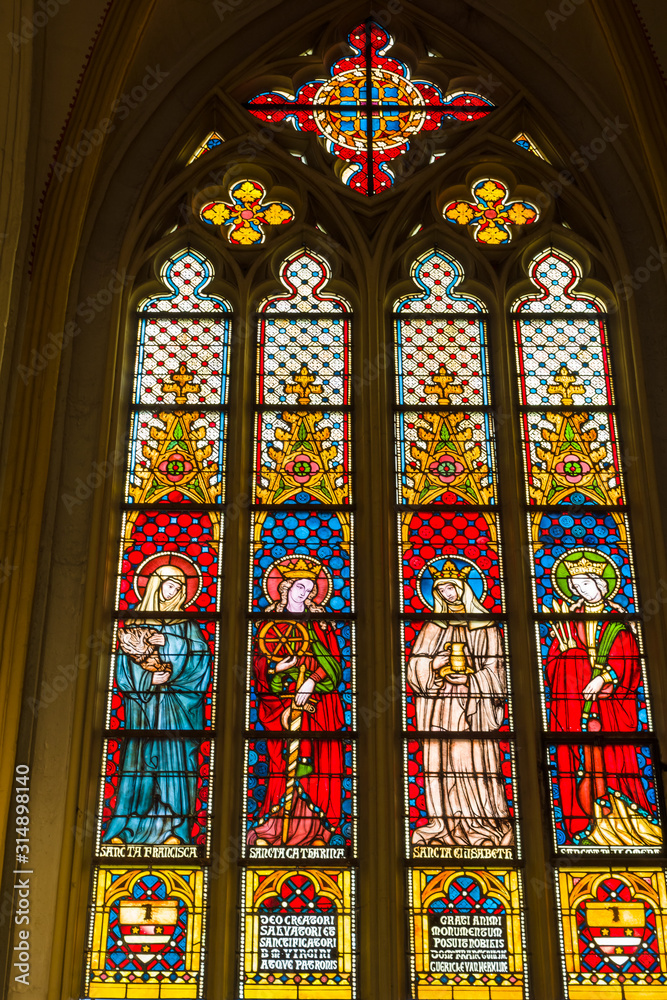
point(381, 935)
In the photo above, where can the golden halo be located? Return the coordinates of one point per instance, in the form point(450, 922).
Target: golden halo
point(189, 568)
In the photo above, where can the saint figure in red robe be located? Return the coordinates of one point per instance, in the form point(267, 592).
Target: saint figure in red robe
point(299, 693)
point(593, 671)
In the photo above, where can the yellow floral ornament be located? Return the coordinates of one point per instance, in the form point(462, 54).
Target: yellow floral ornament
point(491, 214)
point(246, 216)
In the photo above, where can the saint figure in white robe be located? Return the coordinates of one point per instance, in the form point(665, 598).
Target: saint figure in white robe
point(464, 786)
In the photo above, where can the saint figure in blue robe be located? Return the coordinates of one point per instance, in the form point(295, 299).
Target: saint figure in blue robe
point(163, 670)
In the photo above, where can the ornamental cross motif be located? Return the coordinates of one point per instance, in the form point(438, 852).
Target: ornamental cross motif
point(444, 386)
point(565, 386)
point(305, 460)
point(182, 384)
point(491, 214)
point(304, 386)
point(247, 213)
point(176, 456)
point(369, 110)
point(571, 457)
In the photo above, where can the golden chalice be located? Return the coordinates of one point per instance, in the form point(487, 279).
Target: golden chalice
point(457, 665)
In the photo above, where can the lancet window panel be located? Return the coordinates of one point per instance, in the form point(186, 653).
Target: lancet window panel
point(581, 549)
point(557, 462)
point(191, 468)
point(551, 340)
point(424, 767)
point(415, 705)
point(199, 342)
point(299, 817)
point(319, 470)
point(326, 779)
point(613, 931)
point(601, 760)
point(123, 959)
point(148, 912)
point(303, 535)
point(192, 761)
point(298, 933)
point(562, 537)
point(565, 710)
point(624, 815)
point(432, 539)
point(344, 632)
point(302, 341)
point(431, 474)
point(121, 714)
point(458, 913)
point(461, 807)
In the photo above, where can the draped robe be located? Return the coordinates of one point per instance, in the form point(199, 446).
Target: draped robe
point(157, 790)
point(464, 787)
point(315, 811)
point(602, 796)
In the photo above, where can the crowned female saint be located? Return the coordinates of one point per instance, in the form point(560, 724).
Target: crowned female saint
point(457, 672)
point(594, 674)
point(298, 671)
point(163, 670)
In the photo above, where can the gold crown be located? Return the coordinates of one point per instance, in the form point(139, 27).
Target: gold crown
point(450, 571)
point(300, 569)
point(584, 567)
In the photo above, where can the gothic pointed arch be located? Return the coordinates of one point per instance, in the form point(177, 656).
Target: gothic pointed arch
point(182, 830)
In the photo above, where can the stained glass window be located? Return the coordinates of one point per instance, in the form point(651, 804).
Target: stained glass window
point(600, 754)
point(212, 141)
point(461, 831)
point(460, 804)
point(613, 931)
point(245, 217)
point(299, 812)
point(492, 215)
point(525, 141)
point(370, 109)
point(147, 928)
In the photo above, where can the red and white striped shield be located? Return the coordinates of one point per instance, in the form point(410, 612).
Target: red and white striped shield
point(147, 927)
point(617, 928)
